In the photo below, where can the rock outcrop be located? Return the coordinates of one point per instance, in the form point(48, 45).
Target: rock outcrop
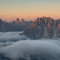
point(41, 27)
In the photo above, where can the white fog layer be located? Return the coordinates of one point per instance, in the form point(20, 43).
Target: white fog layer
point(42, 49)
point(7, 38)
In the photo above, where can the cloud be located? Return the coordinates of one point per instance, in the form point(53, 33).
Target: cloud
point(48, 49)
point(13, 46)
point(8, 38)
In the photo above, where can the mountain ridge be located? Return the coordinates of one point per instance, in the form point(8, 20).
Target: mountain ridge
point(42, 27)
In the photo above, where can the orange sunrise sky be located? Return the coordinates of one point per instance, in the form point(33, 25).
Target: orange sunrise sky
point(29, 9)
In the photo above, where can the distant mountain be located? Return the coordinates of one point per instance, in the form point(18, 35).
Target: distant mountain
point(42, 27)
point(3, 26)
point(58, 27)
point(13, 26)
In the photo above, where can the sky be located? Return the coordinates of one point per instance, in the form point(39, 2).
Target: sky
point(29, 9)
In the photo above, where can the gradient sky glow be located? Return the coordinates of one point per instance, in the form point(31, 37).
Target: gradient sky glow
point(29, 9)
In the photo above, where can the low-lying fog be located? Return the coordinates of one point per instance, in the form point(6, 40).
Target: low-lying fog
point(7, 38)
point(18, 47)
